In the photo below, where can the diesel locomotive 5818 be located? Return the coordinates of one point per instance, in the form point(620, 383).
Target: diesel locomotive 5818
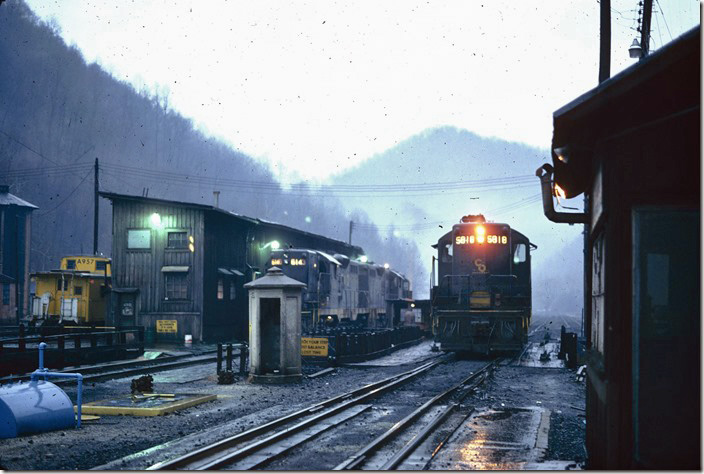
point(482, 300)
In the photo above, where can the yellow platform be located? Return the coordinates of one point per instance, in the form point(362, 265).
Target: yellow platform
point(148, 404)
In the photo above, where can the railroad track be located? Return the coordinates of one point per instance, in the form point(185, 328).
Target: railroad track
point(259, 446)
point(114, 370)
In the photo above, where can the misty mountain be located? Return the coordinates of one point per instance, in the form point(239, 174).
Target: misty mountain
point(447, 173)
point(58, 114)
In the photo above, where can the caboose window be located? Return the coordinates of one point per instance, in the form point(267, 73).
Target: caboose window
point(221, 289)
point(70, 264)
point(100, 265)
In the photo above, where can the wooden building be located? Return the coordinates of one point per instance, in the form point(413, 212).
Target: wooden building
point(632, 146)
point(15, 235)
point(179, 268)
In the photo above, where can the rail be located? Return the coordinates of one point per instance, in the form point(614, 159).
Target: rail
point(461, 390)
point(228, 451)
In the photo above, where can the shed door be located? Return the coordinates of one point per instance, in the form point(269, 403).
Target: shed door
point(666, 331)
point(270, 334)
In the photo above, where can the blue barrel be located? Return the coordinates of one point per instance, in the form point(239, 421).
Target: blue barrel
point(34, 407)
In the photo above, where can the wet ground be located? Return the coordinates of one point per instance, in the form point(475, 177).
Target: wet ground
point(515, 405)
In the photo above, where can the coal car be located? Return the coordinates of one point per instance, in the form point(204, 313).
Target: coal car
point(482, 300)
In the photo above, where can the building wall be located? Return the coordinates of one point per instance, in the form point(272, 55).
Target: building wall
point(8, 308)
point(142, 268)
point(15, 234)
point(225, 247)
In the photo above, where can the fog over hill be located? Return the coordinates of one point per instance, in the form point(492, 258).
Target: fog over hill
point(57, 114)
point(480, 175)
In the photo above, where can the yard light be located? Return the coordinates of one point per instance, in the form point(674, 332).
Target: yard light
point(386, 266)
point(363, 259)
point(155, 219)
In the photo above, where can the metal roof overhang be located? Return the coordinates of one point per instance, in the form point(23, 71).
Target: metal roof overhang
point(329, 258)
point(662, 84)
point(224, 271)
point(175, 268)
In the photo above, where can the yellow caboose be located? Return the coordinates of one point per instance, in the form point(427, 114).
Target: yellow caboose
point(77, 292)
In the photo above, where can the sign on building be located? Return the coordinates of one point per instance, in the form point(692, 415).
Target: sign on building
point(166, 325)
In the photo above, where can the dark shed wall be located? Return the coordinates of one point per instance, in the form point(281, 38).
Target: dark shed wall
point(16, 230)
point(142, 269)
point(225, 247)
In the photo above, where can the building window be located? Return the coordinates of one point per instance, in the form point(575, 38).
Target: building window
point(58, 285)
point(78, 290)
point(6, 294)
point(221, 290)
point(176, 285)
point(233, 290)
point(70, 264)
point(100, 265)
point(138, 239)
point(177, 240)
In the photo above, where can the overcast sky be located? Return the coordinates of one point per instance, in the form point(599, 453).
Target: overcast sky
point(315, 87)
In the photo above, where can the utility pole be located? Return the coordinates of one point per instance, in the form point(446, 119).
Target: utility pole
point(95, 206)
point(349, 241)
point(645, 27)
point(605, 40)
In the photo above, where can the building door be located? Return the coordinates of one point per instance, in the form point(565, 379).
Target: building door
point(270, 330)
point(666, 332)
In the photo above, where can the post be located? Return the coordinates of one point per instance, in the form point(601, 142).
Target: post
point(219, 359)
point(244, 352)
point(605, 40)
point(140, 338)
point(349, 241)
point(645, 27)
point(61, 342)
point(228, 362)
point(21, 343)
point(95, 209)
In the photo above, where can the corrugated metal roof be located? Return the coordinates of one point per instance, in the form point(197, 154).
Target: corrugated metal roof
point(7, 199)
point(205, 207)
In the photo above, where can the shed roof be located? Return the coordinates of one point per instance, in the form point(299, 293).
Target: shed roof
point(7, 199)
point(661, 85)
point(207, 208)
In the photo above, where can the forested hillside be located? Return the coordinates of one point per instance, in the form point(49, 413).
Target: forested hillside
point(58, 114)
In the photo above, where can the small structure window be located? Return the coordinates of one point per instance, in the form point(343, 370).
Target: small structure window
point(58, 284)
point(78, 290)
point(221, 289)
point(138, 239)
point(233, 290)
point(6, 294)
point(519, 255)
point(176, 285)
point(177, 240)
point(70, 264)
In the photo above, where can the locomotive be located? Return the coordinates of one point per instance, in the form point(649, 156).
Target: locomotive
point(343, 291)
point(482, 300)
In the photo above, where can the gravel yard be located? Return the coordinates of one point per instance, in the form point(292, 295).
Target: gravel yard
point(104, 443)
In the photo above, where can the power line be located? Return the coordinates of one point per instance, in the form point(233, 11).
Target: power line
point(27, 147)
point(64, 200)
point(664, 19)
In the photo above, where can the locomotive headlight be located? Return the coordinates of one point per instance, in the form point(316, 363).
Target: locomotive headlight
point(363, 259)
point(481, 230)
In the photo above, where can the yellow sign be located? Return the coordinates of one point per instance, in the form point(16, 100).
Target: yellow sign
point(166, 325)
point(314, 346)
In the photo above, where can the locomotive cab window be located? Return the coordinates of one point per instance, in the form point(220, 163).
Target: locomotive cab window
point(520, 253)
